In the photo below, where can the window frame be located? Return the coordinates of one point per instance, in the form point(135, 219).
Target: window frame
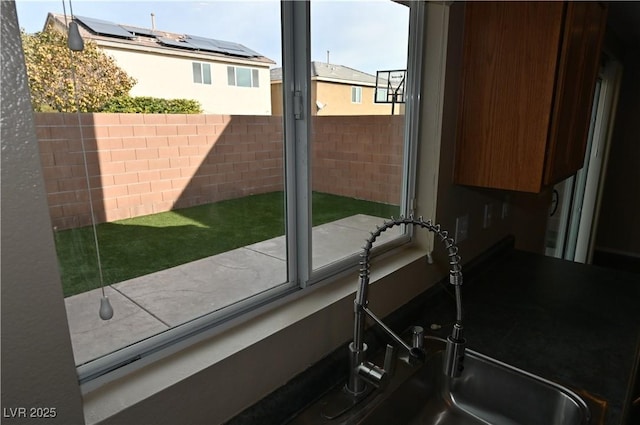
point(254, 76)
point(356, 95)
point(295, 26)
point(201, 74)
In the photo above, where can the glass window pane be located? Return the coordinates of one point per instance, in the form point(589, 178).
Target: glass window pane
point(197, 73)
point(356, 94)
point(231, 75)
point(357, 156)
point(243, 77)
point(174, 226)
point(255, 78)
point(206, 73)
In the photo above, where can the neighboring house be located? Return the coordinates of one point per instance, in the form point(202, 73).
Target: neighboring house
point(225, 77)
point(335, 90)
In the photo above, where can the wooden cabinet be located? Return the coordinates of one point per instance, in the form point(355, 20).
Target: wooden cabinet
point(528, 77)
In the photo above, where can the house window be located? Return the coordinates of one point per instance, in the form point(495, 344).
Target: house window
point(356, 94)
point(380, 95)
point(201, 73)
point(242, 77)
point(285, 201)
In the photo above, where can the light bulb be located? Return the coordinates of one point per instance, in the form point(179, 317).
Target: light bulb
point(106, 311)
point(75, 41)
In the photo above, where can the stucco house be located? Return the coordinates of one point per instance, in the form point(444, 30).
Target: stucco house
point(225, 77)
point(335, 90)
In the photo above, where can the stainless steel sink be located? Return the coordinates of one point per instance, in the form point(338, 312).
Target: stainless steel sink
point(488, 392)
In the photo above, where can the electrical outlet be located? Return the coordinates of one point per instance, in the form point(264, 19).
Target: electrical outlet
point(462, 228)
point(488, 216)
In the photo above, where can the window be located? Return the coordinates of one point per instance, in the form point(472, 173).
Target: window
point(356, 94)
point(242, 77)
point(352, 155)
point(380, 94)
point(281, 199)
point(201, 73)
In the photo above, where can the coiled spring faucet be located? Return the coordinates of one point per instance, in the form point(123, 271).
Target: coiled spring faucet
point(361, 370)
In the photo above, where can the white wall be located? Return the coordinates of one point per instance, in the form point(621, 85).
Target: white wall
point(37, 362)
point(171, 76)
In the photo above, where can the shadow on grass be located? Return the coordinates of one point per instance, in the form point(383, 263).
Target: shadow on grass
point(142, 245)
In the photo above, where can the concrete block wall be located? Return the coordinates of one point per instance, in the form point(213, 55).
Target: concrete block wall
point(359, 156)
point(141, 164)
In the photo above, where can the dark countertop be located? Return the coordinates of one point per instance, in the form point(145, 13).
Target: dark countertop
point(574, 324)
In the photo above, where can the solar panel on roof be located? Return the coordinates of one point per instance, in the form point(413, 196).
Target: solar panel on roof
point(189, 42)
point(139, 31)
point(219, 46)
point(175, 43)
point(231, 46)
point(234, 49)
point(104, 27)
point(203, 44)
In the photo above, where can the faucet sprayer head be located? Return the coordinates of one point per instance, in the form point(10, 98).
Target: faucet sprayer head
point(454, 360)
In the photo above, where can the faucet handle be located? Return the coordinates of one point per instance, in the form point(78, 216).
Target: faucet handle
point(373, 374)
point(390, 359)
point(417, 337)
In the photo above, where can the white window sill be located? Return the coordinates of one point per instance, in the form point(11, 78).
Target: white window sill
point(272, 346)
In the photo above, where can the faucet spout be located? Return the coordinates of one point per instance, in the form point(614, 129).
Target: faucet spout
point(388, 330)
point(362, 371)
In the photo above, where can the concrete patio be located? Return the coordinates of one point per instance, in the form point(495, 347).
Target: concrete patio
point(150, 304)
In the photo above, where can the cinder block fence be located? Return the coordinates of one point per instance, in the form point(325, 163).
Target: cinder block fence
point(141, 164)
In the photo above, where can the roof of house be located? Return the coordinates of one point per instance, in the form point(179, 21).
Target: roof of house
point(100, 30)
point(331, 72)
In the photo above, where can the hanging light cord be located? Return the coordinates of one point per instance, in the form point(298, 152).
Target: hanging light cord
point(105, 315)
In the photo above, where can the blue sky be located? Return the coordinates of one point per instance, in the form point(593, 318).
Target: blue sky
point(365, 35)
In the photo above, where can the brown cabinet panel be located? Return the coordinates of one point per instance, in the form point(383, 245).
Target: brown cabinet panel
point(527, 79)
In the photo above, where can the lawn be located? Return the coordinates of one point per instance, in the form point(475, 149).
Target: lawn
point(138, 246)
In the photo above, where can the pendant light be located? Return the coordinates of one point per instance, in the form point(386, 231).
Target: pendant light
point(74, 39)
point(76, 44)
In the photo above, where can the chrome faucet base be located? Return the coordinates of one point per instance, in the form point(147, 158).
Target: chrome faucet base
point(356, 386)
point(340, 401)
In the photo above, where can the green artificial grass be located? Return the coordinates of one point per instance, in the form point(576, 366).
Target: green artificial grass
point(142, 245)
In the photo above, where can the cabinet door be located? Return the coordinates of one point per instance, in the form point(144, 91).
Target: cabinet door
point(510, 57)
point(579, 64)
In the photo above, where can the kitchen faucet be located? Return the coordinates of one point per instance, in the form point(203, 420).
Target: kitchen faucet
point(362, 371)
